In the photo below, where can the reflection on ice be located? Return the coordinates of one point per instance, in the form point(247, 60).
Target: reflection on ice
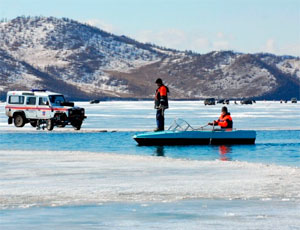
point(224, 152)
point(160, 152)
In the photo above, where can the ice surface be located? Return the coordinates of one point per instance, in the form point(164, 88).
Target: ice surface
point(56, 178)
point(113, 190)
point(140, 115)
point(192, 215)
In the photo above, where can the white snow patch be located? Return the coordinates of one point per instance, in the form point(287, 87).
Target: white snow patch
point(290, 66)
point(34, 178)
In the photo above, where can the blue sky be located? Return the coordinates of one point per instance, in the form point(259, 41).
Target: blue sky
point(247, 26)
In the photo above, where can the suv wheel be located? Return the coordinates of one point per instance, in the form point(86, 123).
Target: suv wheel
point(10, 120)
point(33, 123)
point(19, 120)
point(77, 125)
point(49, 124)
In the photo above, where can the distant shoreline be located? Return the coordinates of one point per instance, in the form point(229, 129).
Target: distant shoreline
point(3, 100)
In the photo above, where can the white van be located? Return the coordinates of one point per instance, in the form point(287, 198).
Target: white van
point(39, 107)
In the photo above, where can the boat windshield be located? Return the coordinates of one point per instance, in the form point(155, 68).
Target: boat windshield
point(56, 99)
point(180, 125)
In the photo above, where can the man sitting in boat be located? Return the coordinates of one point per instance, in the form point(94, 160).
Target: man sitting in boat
point(224, 121)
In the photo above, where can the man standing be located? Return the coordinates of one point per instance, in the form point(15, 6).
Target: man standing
point(161, 103)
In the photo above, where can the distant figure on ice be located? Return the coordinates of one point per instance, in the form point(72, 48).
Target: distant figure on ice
point(161, 103)
point(224, 121)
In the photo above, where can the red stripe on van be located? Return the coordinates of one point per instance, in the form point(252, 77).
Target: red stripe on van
point(35, 108)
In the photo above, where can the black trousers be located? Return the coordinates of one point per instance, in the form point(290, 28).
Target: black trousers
point(160, 119)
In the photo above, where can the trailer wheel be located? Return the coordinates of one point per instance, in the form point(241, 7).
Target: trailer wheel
point(49, 124)
point(19, 120)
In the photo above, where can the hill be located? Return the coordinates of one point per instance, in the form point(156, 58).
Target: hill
point(85, 62)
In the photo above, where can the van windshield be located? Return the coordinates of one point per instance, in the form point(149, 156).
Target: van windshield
point(56, 99)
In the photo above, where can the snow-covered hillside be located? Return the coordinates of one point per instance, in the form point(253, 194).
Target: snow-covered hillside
point(86, 62)
point(63, 47)
point(15, 73)
point(290, 66)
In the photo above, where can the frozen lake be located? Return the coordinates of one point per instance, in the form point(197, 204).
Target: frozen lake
point(93, 180)
point(140, 115)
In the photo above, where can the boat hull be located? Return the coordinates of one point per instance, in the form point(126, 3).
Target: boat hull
point(196, 137)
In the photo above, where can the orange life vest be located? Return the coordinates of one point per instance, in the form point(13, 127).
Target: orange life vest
point(161, 97)
point(225, 121)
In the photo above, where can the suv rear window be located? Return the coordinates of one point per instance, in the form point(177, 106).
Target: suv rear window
point(16, 100)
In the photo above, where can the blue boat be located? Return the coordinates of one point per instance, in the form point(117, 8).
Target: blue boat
point(181, 133)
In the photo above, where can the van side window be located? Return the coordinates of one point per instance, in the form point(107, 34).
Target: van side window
point(43, 101)
point(30, 100)
point(16, 100)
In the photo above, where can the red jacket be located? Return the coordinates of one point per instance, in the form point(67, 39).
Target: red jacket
point(161, 97)
point(224, 121)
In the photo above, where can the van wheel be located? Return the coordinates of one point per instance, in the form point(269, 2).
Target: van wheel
point(49, 124)
point(19, 120)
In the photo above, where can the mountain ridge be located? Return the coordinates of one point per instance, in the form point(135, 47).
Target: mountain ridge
point(85, 62)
